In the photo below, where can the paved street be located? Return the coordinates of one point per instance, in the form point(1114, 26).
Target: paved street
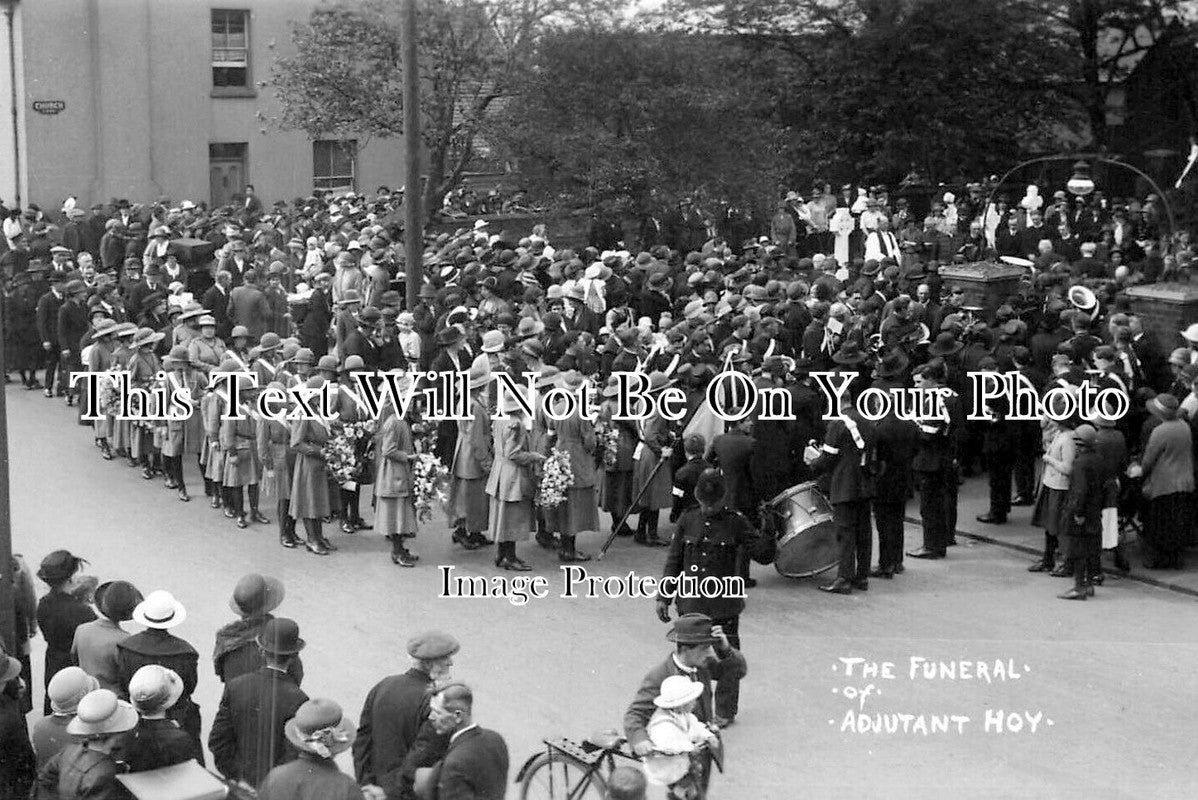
point(1108, 683)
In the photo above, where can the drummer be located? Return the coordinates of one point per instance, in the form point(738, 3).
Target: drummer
point(711, 540)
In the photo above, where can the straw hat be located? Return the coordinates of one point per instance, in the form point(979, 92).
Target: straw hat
point(67, 688)
point(155, 688)
point(160, 610)
point(320, 727)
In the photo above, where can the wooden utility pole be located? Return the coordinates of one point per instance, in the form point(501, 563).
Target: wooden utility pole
point(8, 617)
point(413, 191)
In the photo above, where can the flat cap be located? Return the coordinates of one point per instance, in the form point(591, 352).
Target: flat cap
point(431, 645)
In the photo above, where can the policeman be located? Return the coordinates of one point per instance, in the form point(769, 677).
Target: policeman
point(936, 464)
point(713, 540)
point(847, 457)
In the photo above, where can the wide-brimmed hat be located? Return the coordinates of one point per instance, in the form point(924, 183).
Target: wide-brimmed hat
point(101, 713)
point(493, 342)
point(117, 599)
point(155, 688)
point(691, 629)
point(269, 341)
point(146, 336)
point(1190, 334)
point(58, 566)
point(510, 402)
point(850, 353)
point(612, 388)
point(320, 727)
point(105, 327)
point(945, 344)
point(67, 688)
point(479, 376)
point(528, 327)
point(206, 321)
point(160, 610)
point(350, 297)
point(676, 691)
point(1164, 406)
point(303, 356)
point(659, 381)
point(280, 637)
point(328, 363)
point(547, 377)
point(571, 380)
point(256, 594)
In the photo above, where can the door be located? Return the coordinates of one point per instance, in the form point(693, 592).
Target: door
point(227, 179)
point(226, 172)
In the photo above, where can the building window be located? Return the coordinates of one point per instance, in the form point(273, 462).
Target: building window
point(334, 163)
point(230, 48)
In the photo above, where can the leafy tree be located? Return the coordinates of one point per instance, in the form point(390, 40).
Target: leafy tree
point(624, 120)
point(345, 78)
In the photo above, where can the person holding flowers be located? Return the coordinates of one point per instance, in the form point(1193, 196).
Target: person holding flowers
point(511, 484)
point(576, 437)
point(143, 372)
point(395, 507)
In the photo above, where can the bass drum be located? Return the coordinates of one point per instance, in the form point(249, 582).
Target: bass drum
point(806, 536)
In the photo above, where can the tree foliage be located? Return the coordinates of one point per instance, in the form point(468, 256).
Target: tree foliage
point(345, 78)
point(610, 118)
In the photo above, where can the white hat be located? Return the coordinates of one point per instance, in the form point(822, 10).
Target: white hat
point(677, 690)
point(1190, 334)
point(101, 713)
point(160, 610)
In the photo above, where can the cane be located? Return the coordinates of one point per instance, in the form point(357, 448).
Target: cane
point(628, 513)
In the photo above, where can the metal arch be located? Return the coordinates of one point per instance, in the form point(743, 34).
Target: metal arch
point(1093, 158)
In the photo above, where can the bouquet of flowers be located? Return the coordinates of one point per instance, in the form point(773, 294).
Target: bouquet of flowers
point(108, 397)
point(429, 477)
point(344, 449)
point(556, 479)
point(608, 439)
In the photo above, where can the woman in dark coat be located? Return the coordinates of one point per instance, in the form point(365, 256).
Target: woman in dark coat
point(160, 612)
point(18, 765)
point(615, 490)
point(1168, 471)
point(278, 465)
point(580, 512)
point(62, 609)
point(23, 350)
point(158, 741)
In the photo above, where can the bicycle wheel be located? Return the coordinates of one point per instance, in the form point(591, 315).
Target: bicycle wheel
point(556, 778)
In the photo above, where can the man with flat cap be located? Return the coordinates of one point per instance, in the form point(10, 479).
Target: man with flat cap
point(703, 654)
point(247, 739)
point(394, 716)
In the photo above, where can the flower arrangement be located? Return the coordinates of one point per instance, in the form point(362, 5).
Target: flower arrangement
point(607, 437)
point(108, 397)
point(556, 479)
point(429, 478)
point(343, 451)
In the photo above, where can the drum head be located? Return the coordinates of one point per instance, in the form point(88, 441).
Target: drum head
point(806, 538)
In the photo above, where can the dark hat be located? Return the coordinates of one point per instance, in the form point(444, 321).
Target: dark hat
point(256, 594)
point(280, 637)
point(151, 300)
point(710, 488)
point(117, 599)
point(432, 645)
point(893, 364)
point(946, 343)
point(449, 336)
point(370, 315)
point(75, 287)
point(691, 629)
point(850, 353)
point(58, 566)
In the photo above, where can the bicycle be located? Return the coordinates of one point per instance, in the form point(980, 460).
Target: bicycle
point(571, 770)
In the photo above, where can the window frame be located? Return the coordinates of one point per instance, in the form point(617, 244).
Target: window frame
point(246, 90)
point(330, 180)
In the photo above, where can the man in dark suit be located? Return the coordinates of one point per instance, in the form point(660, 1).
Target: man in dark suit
point(475, 766)
point(847, 456)
point(248, 306)
point(112, 246)
point(314, 317)
point(252, 207)
point(702, 653)
point(217, 300)
point(247, 739)
point(151, 283)
point(361, 340)
point(731, 452)
point(936, 463)
point(72, 326)
point(998, 448)
point(236, 261)
point(897, 441)
point(48, 306)
point(395, 710)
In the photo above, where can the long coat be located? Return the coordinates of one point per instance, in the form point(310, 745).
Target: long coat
point(309, 777)
point(161, 647)
point(310, 483)
point(58, 615)
point(275, 454)
point(393, 445)
point(238, 441)
point(654, 434)
point(185, 436)
point(475, 766)
point(391, 718)
point(247, 738)
point(576, 436)
point(511, 478)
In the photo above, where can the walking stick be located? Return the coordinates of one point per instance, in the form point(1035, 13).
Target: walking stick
point(615, 531)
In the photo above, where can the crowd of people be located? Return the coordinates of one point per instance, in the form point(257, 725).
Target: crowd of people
point(310, 294)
